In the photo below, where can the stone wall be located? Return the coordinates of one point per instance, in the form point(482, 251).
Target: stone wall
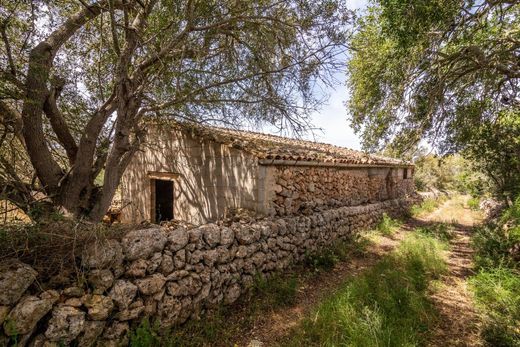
point(169, 275)
point(299, 189)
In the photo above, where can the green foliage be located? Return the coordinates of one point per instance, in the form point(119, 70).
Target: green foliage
point(440, 231)
point(448, 173)
point(387, 226)
point(426, 206)
point(474, 203)
point(325, 259)
point(387, 305)
point(497, 285)
point(443, 71)
point(497, 292)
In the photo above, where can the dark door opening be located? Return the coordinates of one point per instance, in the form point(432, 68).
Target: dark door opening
point(163, 200)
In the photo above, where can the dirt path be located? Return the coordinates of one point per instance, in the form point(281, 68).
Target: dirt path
point(459, 323)
point(274, 326)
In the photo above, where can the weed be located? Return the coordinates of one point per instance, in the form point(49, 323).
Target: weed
point(327, 258)
point(497, 292)
point(387, 226)
point(276, 291)
point(474, 203)
point(387, 305)
point(441, 231)
point(427, 206)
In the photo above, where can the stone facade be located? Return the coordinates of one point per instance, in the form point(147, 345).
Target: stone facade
point(167, 274)
point(212, 175)
point(303, 189)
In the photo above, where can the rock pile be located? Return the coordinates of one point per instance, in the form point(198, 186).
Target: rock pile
point(169, 274)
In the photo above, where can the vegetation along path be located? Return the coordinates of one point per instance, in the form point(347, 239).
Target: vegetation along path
point(458, 321)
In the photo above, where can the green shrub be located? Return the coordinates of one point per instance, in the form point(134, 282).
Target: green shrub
point(387, 305)
point(441, 231)
point(497, 285)
point(427, 206)
point(387, 226)
point(497, 292)
point(474, 203)
point(494, 245)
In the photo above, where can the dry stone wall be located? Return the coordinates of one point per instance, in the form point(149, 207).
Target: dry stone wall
point(169, 275)
point(298, 190)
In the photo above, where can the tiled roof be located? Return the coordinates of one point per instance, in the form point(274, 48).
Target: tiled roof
point(273, 147)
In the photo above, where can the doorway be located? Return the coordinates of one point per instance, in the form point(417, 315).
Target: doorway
point(163, 200)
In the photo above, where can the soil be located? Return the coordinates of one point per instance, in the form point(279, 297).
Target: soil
point(459, 323)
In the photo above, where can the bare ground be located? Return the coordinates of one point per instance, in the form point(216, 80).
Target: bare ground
point(459, 322)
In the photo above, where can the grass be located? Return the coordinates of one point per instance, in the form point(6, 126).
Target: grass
point(387, 305)
point(427, 206)
point(474, 203)
point(440, 231)
point(325, 259)
point(496, 286)
point(497, 292)
point(387, 226)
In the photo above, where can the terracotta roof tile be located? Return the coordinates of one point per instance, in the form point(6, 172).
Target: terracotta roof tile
point(267, 146)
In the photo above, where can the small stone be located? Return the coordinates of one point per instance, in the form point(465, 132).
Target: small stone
point(93, 330)
point(65, 324)
point(102, 254)
point(154, 262)
point(137, 268)
point(99, 306)
point(74, 302)
point(100, 280)
point(131, 313)
point(26, 314)
point(143, 243)
point(211, 234)
point(151, 285)
point(178, 239)
point(167, 265)
point(15, 278)
point(116, 331)
point(74, 292)
point(247, 235)
point(179, 260)
point(227, 236)
point(123, 293)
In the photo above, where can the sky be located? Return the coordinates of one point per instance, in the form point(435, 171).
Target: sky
point(332, 117)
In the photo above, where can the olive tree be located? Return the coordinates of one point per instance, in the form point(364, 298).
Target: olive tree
point(79, 76)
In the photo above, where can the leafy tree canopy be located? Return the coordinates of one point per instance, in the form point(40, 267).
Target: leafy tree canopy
point(78, 76)
point(446, 71)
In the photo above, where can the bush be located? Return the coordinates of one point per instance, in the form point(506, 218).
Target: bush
point(474, 203)
point(386, 305)
point(497, 285)
point(497, 292)
point(440, 231)
point(427, 206)
point(387, 226)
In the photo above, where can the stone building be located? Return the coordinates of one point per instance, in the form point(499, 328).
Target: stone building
point(201, 174)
